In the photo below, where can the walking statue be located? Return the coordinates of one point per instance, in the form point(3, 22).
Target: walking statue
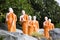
point(51, 25)
point(46, 27)
point(30, 26)
point(24, 21)
point(11, 19)
point(35, 24)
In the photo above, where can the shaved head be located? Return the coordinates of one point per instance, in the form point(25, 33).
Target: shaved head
point(30, 17)
point(10, 10)
point(49, 20)
point(23, 12)
point(46, 18)
point(34, 17)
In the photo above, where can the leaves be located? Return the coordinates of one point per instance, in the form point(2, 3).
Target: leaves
point(40, 8)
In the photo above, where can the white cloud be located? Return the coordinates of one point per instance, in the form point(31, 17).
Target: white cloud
point(58, 1)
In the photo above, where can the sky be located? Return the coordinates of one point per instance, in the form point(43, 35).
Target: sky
point(58, 1)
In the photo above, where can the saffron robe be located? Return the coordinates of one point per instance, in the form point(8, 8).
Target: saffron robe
point(11, 22)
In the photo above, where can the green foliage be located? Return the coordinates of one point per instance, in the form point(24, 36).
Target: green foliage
point(2, 17)
point(17, 6)
point(40, 8)
point(47, 8)
point(58, 25)
point(1, 37)
point(37, 35)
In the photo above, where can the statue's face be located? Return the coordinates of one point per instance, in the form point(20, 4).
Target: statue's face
point(30, 17)
point(11, 10)
point(23, 12)
point(46, 18)
point(49, 20)
point(34, 17)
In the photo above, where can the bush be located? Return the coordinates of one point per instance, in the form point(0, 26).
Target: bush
point(2, 17)
point(57, 25)
point(37, 35)
point(1, 37)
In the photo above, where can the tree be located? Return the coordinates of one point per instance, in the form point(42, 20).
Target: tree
point(40, 8)
point(17, 6)
point(49, 8)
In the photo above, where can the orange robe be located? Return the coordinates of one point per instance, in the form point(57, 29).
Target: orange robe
point(36, 26)
point(51, 26)
point(46, 29)
point(25, 24)
point(11, 18)
point(13, 28)
point(30, 27)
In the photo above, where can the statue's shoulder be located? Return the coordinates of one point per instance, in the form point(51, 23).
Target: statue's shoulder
point(14, 14)
point(52, 23)
point(7, 14)
point(26, 15)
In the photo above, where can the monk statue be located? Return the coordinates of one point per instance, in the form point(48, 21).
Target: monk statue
point(51, 25)
point(30, 26)
point(24, 21)
point(11, 19)
point(35, 24)
point(46, 27)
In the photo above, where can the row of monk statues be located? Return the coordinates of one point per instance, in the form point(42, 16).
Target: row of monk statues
point(28, 25)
